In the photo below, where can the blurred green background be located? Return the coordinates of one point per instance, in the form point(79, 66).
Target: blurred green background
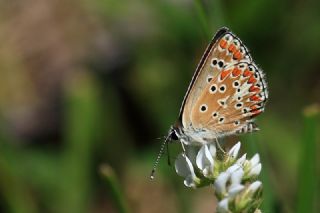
point(87, 87)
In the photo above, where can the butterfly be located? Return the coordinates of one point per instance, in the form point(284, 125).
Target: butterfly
point(226, 93)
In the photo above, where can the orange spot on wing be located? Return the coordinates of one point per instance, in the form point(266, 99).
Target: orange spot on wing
point(255, 98)
point(255, 113)
point(236, 72)
point(252, 80)
point(253, 107)
point(232, 48)
point(237, 55)
point(247, 73)
point(224, 74)
point(254, 89)
point(223, 44)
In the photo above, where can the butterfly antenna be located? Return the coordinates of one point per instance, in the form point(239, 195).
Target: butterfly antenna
point(159, 156)
point(219, 146)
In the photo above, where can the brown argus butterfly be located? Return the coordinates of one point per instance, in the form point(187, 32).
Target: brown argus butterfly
point(226, 92)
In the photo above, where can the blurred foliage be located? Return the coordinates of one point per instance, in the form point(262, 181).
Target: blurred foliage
point(91, 83)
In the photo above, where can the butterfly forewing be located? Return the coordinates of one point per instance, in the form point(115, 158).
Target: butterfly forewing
point(227, 90)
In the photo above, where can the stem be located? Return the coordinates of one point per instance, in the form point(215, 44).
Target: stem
point(113, 185)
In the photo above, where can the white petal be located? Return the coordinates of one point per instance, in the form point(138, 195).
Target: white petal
point(220, 183)
point(233, 168)
point(183, 166)
point(223, 206)
point(191, 152)
point(255, 186)
point(189, 181)
point(255, 160)
point(236, 176)
point(235, 150)
point(235, 189)
point(213, 150)
point(205, 161)
point(242, 159)
point(255, 170)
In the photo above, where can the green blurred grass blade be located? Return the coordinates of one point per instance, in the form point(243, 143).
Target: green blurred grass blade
point(113, 185)
point(307, 170)
point(81, 130)
point(202, 18)
point(14, 191)
point(212, 20)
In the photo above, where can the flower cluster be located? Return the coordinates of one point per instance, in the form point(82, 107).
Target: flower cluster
point(233, 178)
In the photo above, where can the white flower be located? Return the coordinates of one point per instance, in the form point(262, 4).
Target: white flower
point(233, 168)
point(223, 206)
point(236, 176)
point(255, 160)
point(254, 186)
point(253, 166)
point(220, 183)
point(235, 150)
point(185, 169)
point(212, 149)
point(255, 171)
point(232, 177)
point(235, 189)
point(242, 159)
point(205, 160)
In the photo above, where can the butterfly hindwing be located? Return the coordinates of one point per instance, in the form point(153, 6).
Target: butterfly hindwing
point(231, 100)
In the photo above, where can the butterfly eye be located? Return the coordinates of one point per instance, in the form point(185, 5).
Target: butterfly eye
point(174, 135)
point(236, 84)
point(203, 108)
point(222, 88)
point(213, 89)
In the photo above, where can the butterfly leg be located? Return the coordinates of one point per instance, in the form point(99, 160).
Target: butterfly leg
point(219, 146)
point(168, 153)
point(183, 148)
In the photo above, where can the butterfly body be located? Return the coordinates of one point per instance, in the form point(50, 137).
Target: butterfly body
point(226, 92)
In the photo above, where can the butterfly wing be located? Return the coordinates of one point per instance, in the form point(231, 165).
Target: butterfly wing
point(230, 101)
point(224, 50)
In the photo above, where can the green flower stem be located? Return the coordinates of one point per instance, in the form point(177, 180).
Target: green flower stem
point(113, 185)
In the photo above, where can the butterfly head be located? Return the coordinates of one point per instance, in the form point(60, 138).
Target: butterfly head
point(173, 134)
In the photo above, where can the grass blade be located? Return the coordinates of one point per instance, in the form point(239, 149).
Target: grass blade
point(307, 169)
